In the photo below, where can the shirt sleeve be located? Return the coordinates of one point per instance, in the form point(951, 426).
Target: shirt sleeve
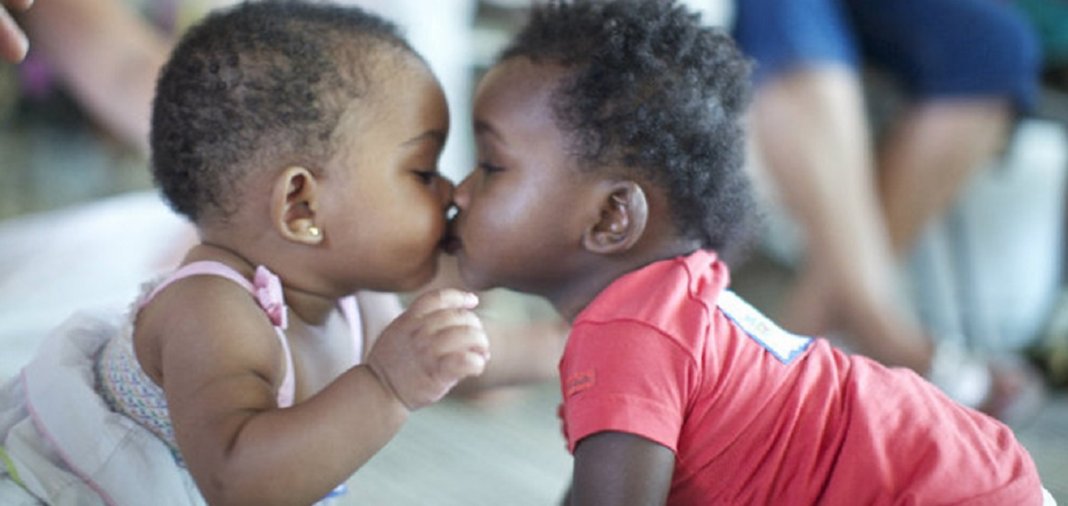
point(625, 377)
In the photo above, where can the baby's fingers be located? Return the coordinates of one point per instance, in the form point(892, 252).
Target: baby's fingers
point(455, 343)
point(450, 320)
point(463, 334)
point(444, 298)
point(459, 365)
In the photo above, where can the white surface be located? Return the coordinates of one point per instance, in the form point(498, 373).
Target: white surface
point(991, 269)
point(90, 256)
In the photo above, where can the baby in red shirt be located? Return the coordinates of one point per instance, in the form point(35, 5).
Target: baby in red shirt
point(610, 182)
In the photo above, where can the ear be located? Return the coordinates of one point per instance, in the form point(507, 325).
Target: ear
point(294, 203)
point(624, 212)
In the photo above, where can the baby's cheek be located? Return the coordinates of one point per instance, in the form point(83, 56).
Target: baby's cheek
point(500, 222)
point(433, 221)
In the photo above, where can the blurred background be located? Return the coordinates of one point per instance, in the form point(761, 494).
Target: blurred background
point(80, 227)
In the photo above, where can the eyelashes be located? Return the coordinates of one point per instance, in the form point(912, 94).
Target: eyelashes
point(427, 176)
point(489, 168)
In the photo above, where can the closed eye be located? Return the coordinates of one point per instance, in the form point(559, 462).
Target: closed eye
point(489, 168)
point(427, 176)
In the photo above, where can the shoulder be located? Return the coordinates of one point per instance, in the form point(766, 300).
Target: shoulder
point(674, 297)
point(206, 321)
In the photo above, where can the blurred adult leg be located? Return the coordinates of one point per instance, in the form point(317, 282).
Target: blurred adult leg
point(812, 131)
point(810, 124)
point(966, 92)
point(930, 155)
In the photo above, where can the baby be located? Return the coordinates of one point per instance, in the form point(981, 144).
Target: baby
point(301, 139)
point(610, 182)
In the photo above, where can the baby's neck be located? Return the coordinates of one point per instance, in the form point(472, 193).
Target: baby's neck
point(222, 254)
point(312, 309)
point(571, 300)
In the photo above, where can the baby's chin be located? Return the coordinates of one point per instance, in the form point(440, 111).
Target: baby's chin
point(473, 277)
point(414, 279)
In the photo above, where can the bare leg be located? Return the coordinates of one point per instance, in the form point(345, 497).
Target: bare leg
point(814, 137)
point(930, 155)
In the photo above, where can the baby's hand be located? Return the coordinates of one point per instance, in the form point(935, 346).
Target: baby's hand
point(430, 347)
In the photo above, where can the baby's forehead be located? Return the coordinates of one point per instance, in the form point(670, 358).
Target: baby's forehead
point(523, 68)
point(402, 100)
point(371, 65)
point(369, 79)
point(520, 82)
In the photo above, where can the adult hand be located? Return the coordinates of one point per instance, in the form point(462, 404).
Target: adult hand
point(13, 41)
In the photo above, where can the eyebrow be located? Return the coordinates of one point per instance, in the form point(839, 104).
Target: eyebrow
point(482, 127)
point(437, 136)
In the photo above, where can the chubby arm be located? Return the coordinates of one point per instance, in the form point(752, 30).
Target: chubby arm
point(108, 56)
point(616, 469)
point(221, 372)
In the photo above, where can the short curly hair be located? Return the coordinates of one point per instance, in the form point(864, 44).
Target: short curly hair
point(257, 84)
point(649, 88)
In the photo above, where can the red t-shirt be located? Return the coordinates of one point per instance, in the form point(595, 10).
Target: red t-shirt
point(758, 416)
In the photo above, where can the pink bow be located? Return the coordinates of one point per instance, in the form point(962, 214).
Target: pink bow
point(268, 290)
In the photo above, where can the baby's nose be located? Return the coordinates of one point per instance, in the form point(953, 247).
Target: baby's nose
point(461, 195)
point(446, 190)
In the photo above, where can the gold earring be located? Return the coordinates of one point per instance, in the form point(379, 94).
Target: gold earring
point(314, 231)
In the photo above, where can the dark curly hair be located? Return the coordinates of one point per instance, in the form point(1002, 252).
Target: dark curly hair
point(649, 88)
point(260, 83)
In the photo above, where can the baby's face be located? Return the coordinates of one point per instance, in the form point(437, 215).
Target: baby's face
point(519, 222)
point(386, 208)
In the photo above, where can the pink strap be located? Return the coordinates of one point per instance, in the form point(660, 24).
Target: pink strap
point(197, 269)
point(265, 288)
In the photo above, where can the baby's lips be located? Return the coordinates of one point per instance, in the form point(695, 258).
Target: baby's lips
point(450, 242)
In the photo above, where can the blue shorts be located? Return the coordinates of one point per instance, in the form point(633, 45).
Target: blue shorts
point(936, 48)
